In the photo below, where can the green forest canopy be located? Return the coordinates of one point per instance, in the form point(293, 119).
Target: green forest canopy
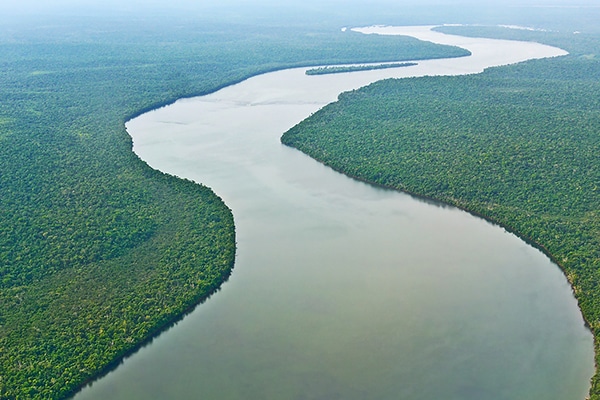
point(517, 145)
point(98, 252)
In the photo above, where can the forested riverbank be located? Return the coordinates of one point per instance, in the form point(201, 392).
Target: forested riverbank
point(517, 145)
point(98, 251)
point(354, 68)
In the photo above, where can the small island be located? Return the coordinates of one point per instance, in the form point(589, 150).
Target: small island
point(355, 68)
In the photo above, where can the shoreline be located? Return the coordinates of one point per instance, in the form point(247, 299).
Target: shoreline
point(443, 203)
point(385, 30)
point(114, 365)
point(421, 197)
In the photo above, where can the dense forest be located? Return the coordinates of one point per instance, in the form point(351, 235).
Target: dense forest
point(98, 252)
point(517, 145)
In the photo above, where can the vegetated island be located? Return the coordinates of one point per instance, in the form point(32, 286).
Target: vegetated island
point(99, 252)
point(355, 68)
point(517, 145)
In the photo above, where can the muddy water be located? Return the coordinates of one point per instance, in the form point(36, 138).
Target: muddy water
point(342, 290)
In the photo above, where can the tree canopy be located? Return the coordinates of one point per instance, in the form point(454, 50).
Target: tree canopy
point(98, 252)
point(517, 145)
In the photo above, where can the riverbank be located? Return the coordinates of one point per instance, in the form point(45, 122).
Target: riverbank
point(98, 250)
point(458, 180)
point(342, 275)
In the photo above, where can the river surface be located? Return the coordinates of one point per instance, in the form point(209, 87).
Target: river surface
point(342, 290)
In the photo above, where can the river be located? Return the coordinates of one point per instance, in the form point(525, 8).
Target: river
point(342, 290)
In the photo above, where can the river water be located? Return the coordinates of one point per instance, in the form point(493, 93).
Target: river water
point(345, 291)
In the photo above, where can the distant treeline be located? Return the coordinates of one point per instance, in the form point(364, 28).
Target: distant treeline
point(355, 68)
point(518, 145)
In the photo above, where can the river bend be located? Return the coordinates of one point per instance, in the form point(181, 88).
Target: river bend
point(342, 290)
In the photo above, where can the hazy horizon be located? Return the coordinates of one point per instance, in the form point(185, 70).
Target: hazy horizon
point(115, 6)
point(550, 14)
point(149, 16)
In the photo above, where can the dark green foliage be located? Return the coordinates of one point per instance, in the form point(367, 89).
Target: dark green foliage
point(518, 145)
point(98, 252)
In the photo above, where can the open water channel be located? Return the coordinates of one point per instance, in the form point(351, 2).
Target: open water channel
point(342, 290)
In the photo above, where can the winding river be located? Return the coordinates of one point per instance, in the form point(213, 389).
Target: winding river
point(342, 290)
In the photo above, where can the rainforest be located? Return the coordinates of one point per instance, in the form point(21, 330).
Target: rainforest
point(517, 145)
point(99, 252)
